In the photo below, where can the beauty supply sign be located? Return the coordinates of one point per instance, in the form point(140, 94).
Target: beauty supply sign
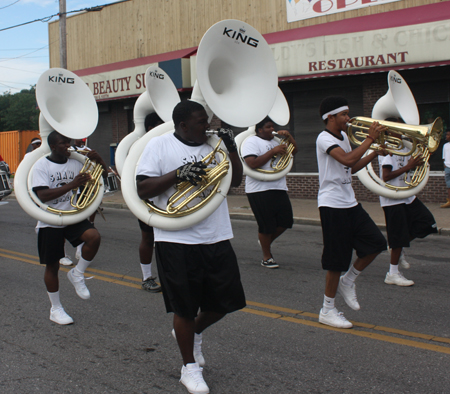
point(298, 10)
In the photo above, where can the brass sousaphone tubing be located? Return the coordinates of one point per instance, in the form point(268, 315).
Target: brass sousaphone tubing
point(284, 160)
point(424, 139)
point(178, 203)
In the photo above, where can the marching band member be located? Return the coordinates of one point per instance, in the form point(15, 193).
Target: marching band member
point(446, 159)
point(197, 266)
point(406, 219)
point(345, 224)
point(54, 178)
point(268, 199)
point(147, 238)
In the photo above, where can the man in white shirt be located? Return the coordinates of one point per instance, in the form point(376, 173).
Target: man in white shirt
point(406, 219)
point(197, 266)
point(345, 224)
point(54, 178)
point(446, 158)
point(268, 199)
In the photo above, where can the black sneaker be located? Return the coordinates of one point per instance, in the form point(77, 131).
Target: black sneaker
point(150, 285)
point(269, 263)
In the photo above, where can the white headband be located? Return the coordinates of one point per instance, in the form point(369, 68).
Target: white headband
point(334, 111)
point(35, 141)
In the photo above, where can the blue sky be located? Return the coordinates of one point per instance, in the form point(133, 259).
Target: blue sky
point(24, 49)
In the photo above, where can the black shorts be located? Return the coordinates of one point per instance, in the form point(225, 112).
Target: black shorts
point(204, 277)
point(51, 240)
point(145, 227)
point(404, 222)
point(344, 230)
point(272, 209)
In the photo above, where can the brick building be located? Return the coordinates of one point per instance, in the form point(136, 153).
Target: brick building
point(339, 50)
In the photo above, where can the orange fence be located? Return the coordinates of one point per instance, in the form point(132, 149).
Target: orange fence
point(14, 144)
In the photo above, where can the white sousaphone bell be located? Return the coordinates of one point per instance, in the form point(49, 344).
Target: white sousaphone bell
point(399, 102)
point(67, 106)
point(279, 114)
point(237, 81)
point(160, 99)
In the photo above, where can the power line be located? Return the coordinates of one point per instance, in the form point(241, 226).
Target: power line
point(9, 5)
point(18, 49)
point(18, 69)
point(48, 18)
point(26, 54)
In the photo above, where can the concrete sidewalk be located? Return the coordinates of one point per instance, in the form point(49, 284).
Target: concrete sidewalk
point(305, 211)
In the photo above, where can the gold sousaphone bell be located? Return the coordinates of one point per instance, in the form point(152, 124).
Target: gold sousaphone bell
point(419, 140)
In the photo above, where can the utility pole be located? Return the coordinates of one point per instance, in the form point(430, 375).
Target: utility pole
point(62, 35)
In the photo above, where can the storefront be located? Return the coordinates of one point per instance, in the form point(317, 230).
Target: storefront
point(345, 54)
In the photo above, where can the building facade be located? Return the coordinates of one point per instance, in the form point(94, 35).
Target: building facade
point(337, 49)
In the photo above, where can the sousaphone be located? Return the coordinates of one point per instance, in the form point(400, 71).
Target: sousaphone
point(237, 81)
point(280, 115)
point(398, 102)
point(67, 106)
point(160, 98)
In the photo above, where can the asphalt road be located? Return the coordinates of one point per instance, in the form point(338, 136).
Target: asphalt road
point(121, 343)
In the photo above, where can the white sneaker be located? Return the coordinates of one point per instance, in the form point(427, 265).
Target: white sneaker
point(192, 379)
point(349, 294)
point(403, 263)
point(397, 279)
point(198, 355)
point(334, 319)
point(60, 316)
point(78, 283)
point(65, 261)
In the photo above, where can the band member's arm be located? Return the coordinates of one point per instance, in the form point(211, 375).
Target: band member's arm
point(236, 164)
point(94, 156)
point(291, 139)
point(258, 161)
point(350, 159)
point(388, 174)
point(227, 135)
point(366, 160)
point(46, 194)
point(148, 187)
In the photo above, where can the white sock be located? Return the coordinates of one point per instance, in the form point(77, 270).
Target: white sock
point(393, 269)
point(54, 299)
point(146, 271)
point(328, 304)
point(82, 265)
point(65, 251)
point(350, 276)
point(79, 248)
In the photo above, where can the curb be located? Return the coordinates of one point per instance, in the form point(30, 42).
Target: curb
point(250, 217)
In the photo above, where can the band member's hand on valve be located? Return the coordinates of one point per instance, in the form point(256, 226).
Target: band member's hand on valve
point(191, 172)
point(227, 136)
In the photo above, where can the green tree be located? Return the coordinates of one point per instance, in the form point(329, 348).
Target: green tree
point(18, 111)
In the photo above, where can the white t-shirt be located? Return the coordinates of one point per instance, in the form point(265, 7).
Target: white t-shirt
point(446, 154)
point(335, 179)
point(53, 175)
point(396, 162)
point(164, 154)
point(256, 146)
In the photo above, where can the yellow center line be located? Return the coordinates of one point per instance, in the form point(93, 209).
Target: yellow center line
point(275, 312)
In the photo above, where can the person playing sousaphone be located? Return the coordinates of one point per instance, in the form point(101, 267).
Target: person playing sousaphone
point(54, 178)
point(268, 199)
point(197, 266)
point(407, 218)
